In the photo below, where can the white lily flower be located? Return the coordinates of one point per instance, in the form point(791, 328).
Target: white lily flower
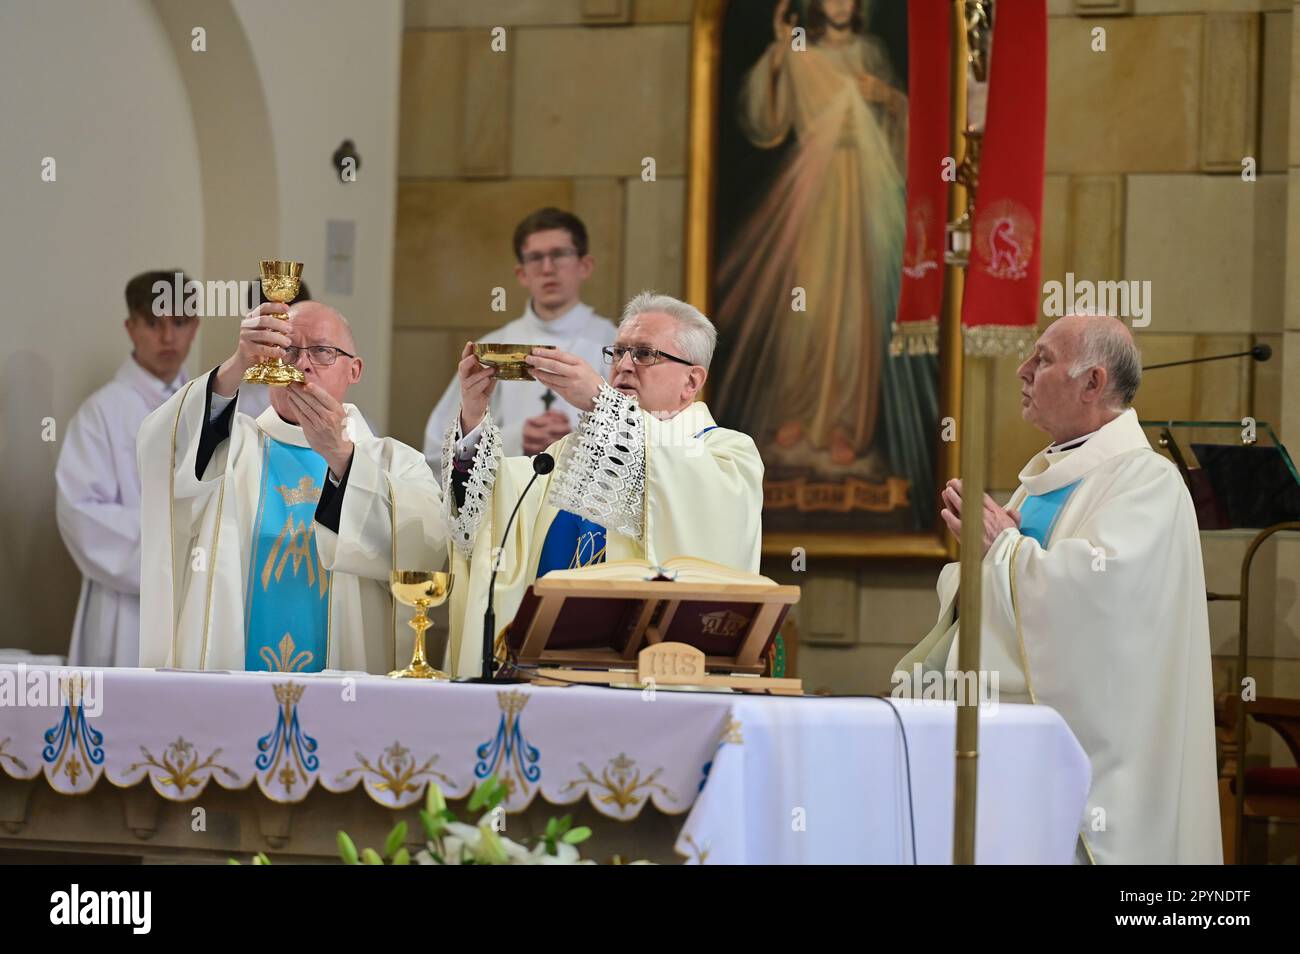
point(465, 833)
point(489, 850)
point(517, 853)
point(565, 854)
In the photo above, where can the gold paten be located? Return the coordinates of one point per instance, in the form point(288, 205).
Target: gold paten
point(508, 359)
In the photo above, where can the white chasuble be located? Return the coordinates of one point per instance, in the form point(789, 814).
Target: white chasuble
point(1096, 607)
point(236, 571)
point(657, 489)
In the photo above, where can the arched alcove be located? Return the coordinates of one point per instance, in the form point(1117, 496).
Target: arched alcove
point(232, 125)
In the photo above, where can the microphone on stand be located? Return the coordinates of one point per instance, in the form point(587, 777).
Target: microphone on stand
point(1261, 352)
point(542, 464)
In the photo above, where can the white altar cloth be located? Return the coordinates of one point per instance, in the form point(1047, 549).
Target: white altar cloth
point(764, 779)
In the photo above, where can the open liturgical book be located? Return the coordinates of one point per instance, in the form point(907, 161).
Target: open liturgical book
point(684, 569)
point(601, 617)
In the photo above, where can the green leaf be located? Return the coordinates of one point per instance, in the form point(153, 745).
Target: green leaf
point(565, 824)
point(432, 826)
point(403, 857)
point(261, 859)
point(434, 801)
point(552, 828)
point(577, 836)
point(232, 861)
point(491, 850)
point(347, 850)
point(371, 857)
point(480, 794)
point(396, 838)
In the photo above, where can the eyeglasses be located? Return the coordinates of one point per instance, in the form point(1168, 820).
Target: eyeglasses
point(322, 356)
point(644, 357)
point(558, 257)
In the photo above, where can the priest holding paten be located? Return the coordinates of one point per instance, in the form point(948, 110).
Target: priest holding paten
point(648, 474)
point(267, 543)
point(1094, 601)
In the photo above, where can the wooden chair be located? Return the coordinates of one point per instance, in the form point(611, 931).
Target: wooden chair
point(1271, 791)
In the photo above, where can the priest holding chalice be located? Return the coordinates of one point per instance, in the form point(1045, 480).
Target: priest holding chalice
point(269, 543)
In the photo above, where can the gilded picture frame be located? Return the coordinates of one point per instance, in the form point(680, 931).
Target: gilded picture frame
point(927, 541)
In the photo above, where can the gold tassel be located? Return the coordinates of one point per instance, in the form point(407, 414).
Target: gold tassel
point(999, 341)
point(915, 338)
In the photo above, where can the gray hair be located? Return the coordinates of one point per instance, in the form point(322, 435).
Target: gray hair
point(1106, 345)
point(695, 335)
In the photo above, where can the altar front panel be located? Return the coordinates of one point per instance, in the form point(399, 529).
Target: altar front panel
point(721, 777)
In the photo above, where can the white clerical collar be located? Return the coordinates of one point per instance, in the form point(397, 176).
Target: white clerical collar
point(278, 429)
point(693, 418)
point(569, 323)
point(151, 386)
point(698, 418)
point(1055, 448)
point(1045, 473)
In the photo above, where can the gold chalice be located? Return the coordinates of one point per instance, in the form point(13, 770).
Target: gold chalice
point(280, 281)
point(421, 589)
point(508, 359)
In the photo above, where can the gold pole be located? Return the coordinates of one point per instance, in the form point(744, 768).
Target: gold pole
point(1243, 625)
point(973, 433)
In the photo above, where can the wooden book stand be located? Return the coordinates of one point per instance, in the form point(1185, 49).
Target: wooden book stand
point(648, 632)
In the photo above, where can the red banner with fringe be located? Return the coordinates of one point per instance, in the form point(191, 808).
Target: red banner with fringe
point(1000, 304)
point(929, 30)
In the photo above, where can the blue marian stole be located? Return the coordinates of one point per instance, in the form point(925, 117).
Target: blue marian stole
point(287, 597)
point(1038, 513)
point(571, 542)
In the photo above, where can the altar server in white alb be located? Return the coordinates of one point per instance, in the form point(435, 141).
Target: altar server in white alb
point(648, 474)
point(98, 485)
point(268, 543)
point(1094, 602)
point(551, 264)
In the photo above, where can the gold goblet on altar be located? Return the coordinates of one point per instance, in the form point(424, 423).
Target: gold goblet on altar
point(280, 282)
point(420, 589)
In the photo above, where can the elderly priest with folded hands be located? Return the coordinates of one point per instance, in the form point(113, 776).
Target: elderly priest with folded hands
point(1094, 602)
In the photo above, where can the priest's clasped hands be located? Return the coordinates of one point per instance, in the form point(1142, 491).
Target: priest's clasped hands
point(324, 423)
point(996, 518)
point(566, 374)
